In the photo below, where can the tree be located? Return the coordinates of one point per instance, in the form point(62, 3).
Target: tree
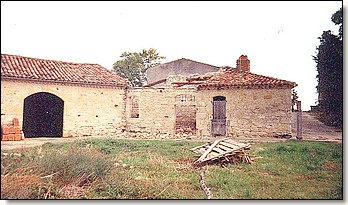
point(134, 65)
point(337, 18)
point(329, 61)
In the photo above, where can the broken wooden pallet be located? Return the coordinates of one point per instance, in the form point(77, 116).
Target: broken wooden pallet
point(225, 150)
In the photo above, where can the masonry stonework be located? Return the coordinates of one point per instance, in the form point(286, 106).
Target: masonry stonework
point(249, 112)
point(87, 110)
point(156, 109)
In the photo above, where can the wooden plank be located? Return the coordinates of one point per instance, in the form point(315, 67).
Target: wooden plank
point(204, 145)
point(211, 155)
point(229, 145)
point(200, 151)
point(225, 148)
point(223, 155)
point(218, 150)
point(208, 150)
point(233, 143)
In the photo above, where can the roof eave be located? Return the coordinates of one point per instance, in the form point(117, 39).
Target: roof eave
point(63, 82)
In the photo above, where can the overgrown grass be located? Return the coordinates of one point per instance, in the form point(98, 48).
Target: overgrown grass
point(154, 169)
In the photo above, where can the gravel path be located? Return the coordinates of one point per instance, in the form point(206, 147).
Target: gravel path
point(313, 129)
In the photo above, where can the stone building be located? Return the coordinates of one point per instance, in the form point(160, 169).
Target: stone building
point(232, 102)
point(54, 98)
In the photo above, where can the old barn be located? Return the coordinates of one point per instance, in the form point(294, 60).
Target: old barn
point(54, 98)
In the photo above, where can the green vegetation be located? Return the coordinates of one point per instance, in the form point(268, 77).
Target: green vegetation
point(133, 65)
point(154, 169)
point(329, 60)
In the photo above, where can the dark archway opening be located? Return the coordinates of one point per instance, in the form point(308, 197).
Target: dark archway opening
point(43, 115)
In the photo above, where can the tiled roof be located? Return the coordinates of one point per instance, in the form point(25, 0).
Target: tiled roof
point(26, 68)
point(234, 78)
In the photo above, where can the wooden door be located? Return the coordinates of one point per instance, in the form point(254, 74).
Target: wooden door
point(218, 123)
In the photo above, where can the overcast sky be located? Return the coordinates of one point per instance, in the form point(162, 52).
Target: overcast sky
point(279, 38)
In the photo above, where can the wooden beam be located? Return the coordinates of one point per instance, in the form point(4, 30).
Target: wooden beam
point(208, 150)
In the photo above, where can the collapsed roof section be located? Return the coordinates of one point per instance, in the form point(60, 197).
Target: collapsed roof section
point(224, 78)
point(235, 79)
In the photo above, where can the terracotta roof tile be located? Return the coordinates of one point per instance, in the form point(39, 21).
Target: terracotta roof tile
point(234, 78)
point(19, 67)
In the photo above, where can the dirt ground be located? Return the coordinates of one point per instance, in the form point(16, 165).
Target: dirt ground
point(313, 130)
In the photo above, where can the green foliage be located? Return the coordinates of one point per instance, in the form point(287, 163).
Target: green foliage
point(134, 65)
point(337, 18)
point(329, 61)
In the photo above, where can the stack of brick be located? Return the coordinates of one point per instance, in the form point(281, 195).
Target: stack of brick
point(11, 131)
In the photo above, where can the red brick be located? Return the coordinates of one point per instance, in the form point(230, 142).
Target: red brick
point(6, 129)
point(15, 122)
point(11, 137)
point(17, 137)
point(4, 137)
point(16, 130)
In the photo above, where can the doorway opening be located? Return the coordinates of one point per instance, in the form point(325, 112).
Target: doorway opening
point(218, 123)
point(185, 114)
point(43, 115)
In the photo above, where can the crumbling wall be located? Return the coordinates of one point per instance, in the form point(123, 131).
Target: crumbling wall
point(158, 109)
point(185, 119)
point(185, 114)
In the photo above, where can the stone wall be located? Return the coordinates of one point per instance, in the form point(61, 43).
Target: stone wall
point(87, 110)
point(249, 112)
point(157, 112)
point(105, 111)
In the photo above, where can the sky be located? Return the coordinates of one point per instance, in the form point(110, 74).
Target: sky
point(279, 37)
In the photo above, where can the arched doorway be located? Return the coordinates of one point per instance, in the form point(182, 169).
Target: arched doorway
point(43, 115)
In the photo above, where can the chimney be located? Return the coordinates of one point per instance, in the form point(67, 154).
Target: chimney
point(243, 63)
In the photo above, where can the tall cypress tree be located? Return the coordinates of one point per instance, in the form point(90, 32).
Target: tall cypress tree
point(329, 61)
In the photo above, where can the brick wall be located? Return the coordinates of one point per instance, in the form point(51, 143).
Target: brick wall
point(243, 63)
point(11, 131)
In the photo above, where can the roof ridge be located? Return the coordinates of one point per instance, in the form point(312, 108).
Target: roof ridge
point(185, 59)
point(42, 59)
